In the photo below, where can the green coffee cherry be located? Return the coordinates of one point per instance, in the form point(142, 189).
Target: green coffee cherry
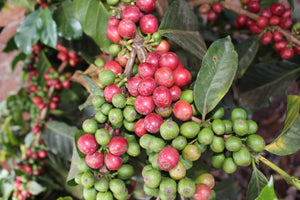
point(100, 117)
point(134, 149)
point(191, 152)
point(129, 126)
point(121, 196)
point(117, 125)
point(146, 168)
point(104, 195)
point(151, 191)
point(217, 144)
point(89, 126)
point(89, 193)
point(190, 129)
point(102, 185)
point(157, 144)
point(168, 186)
point(206, 179)
point(169, 130)
point(113, 49)
point(115, 116)
point(252, 126)
point(195, 110)
point(130, 113)
point(233, 143)
point(130, 137)
point(178, 172)
point(152, 178)
point(99, 62)
point(218, 127)
point(105, 108)
point(228, 126)
point(107, 77)
point(87, 179)
point(163, 196)
point(145, 140)
point(164, 112)
point(240, 127)
point(255, 143)
point(153, 161)
point(77, 178)
point(102, 136)
point(229, 165)
point(187, 163)
point(186, 187)
point(117, 186)
point(125, 171)
point(179, 142)
point(98, 101)
point(119, 100)
point(82, 166)
point(99, 92)
point(242, 157)
point(217, 160)
point(201, 147)
point(238, 113)
point(206, 136)
point(188, 96)
point(218, 113)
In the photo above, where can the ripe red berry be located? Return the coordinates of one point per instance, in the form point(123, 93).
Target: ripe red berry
point(274, 20)
point(168, 158)
point(277, 9)
point(266, 38)
point(249, 22)
point(147, 86)
point(55, 98)
point(175, 92)
point(113, 66)
point(131, 12)
point(217, 7)
point(42, 154)
point(110, 91)
point(113, 21)
point(94, 160)
point(127, 28)
point(278, 46)
point(58, 86)
point(163, 46)
point(29, 152)
point(122, 59)
point(66, 84)
point(182, 77)
point(62, 56)
point(144, 104)
point(169, 60)
point(145, 5)
point(133, 84)
point(262, 22)
point(52, 105)
point(241, 19)
point(61, 48)
point(203, 192)
point(297, 50)
point(35, 156)
point(153, 58)
point(139, 128)
point(286, 23)
point(287, 13)
point(37, 47)
point(162, 97)
point(112, 162)
point(28, 168)
point(148, 24)
point(277, 36)
point(153, 122)
point(255, 29)
point(287, 53)
point(87, 143)
point(212, 16)
point(146, 70)
point(253, 6)
point(41, 106)
point(118, 145)
point(183, 110)
point(164, 77)
point(72, 55)
point(266, 12)
point(113, 34)
point(37, 100)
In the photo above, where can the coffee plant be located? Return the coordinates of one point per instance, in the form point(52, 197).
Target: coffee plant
point(150, 99)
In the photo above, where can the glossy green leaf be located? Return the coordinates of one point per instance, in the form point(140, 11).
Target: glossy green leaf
point(264, 80)
point(215, 76)
point(227, 189)
point(29, 4)
point(246, 50)
point(93, 17)
point(93, 86)
point(10, 45)
point(43, 66)
point(268, 192)
point(257, 182)
point(47, 28)
point(59, 138)
point(27, 32)
point(34, 187)
point(20, 57)
point(180, 24)
point(67, 25)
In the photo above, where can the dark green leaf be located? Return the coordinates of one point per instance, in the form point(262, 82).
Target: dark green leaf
point(268, 192)
point(92, 85)
point(29, 4)
point(256, 184)
point(10, 45)
point(21, 56)
point(42, 67)
point(264, 80)
point(215, 76)
point(227, 189)
point(87, 102)
point(93, 18)
point(67, 25)
point(27, 33)
point(180, 24)
point(246, 50)
point(59, 138)
point(47, 28)
point(34, 187)
point(267, 3)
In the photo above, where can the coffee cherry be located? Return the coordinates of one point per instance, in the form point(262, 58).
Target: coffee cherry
point(252, 126)
point(191, 152)
point(102, 185)
point(179, 142)
point(229, 165)
point(212, 16)
point(89, 126)
point(104, 195)
point(287, 13)
point(253, 6)
point(277, 9)
point(61, 48)
point(118, 145)
point(145, 5)
point(287, 53)
point(153, 122)
point(249, 22)
point(110, 91)
point(107, 77)
point(139, 128)
point(162, 97)
point(183, 110)
point(204, 9)
point(87, 179)
point(242, 157)
point(146, 70)
point(238, 113)
point(266, 12)
point(115, 116)
point(297, 50)
point(144, 104)
point(168, 186)
point(125, 172)
point(126, 28)
point(186, 187)
point(113, 34)
point(162, 47)
point(148, 24)
point(133, 84)
point(286, 23)
point(119, 100)
point(274, 20)
point(233, 143)
point(266, 38)
point(62, 56)
point(151, 191)
point(202, 192)
point(130, 113)
point(168, 158)
point(87, 144)
point(42, 154)
point(164, 77)
point(113, 66)
point(94, 160)
point(156, 145)
point(169, 60)
point(217, 7)
point(169, 130)
point(41, 106)
point(262, 22)
point(189, 129)
point(117, 186)
point(218, 127)
point(112, 162)
point(132, 13)
point(37, 100)
point(255, 143)
point(278, 46)
point(112, 2)
point(206, 179)
point(182, 77)
point(153, 58)
point(133, 149)
point(205, 136)
point(113, 21)
point(277, 36)
point(152, 178)
point(217, 144)
point(255, 29)
point(175, 92)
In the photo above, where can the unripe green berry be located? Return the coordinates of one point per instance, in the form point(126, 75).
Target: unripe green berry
point(157, 144)
point(218, 113)
point(178, 172)
point(217, 160)
point(105, 108)
point(129, 126)
point(238, 113)
point(188, 96)
point(151, 191)
point(89, 193)
point(242, 157)
point(87, 179)
point(228, 126)
point(98, 101)
point(130, 113)
point(115, 116)
point(179, 142)
point(217, 144)
point(117, 186)
point(233, 143)
point(229, 165)
point(218, 127)
point(100, 117)
point(189, 129)
point(252, 126)
point(90, 126)
point(99, 62)
point(104, 195)
point(107, 77)
point(119, 100)
point(206, 136)
point(169, 130)
point(191, 152)
point(125, 171)
point(186, 187)
point(102, 185)
point(255, 143)
point(240, 127)
point(102, 136)
point(152, 178)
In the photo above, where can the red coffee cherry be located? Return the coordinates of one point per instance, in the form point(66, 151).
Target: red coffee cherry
point(42, 154)
point(217, 7)
point(255, 29)
point(297, 50)
point(62, 56)
point(53, 105)
point(203, 192)
point(287, 13)
point(131, 12)
point(133, 84)
point(168, 158)
point(164, 77)
point(153, 122)
point(153, 58)
point(127, 28)
point(182, 77)
point(41, 106)
point(113, 34)
point(278, 46)
point(180, 64)
point(287, 53)
point(148, 24)
point(277, 9)
point(139, 128)
point(286, 23)
point(147, 86)
point(61, 48)
point(146, 70)
point(253, 6)
point(274, 20)
point(266, 38)
point(113, 66)
point(169, 60)
point(212, 16)
point(163, 46)
point(266, 12)
point(144, 104)
point(87, 143)
point(37, 100)
point(110, 91)
point(145, 5)
point(113, 21)
point(249, 22)
point(113, 162)
point(241, 19)
point(262, 22)
point(175, 92)
point(183, 110)
point(277, 36)
point(162, 97)
point(118, 145)
point(94, 160)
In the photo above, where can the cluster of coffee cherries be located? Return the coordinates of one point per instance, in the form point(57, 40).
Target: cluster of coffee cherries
point(276, 15)
point(66, 55)
point(31, 167)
